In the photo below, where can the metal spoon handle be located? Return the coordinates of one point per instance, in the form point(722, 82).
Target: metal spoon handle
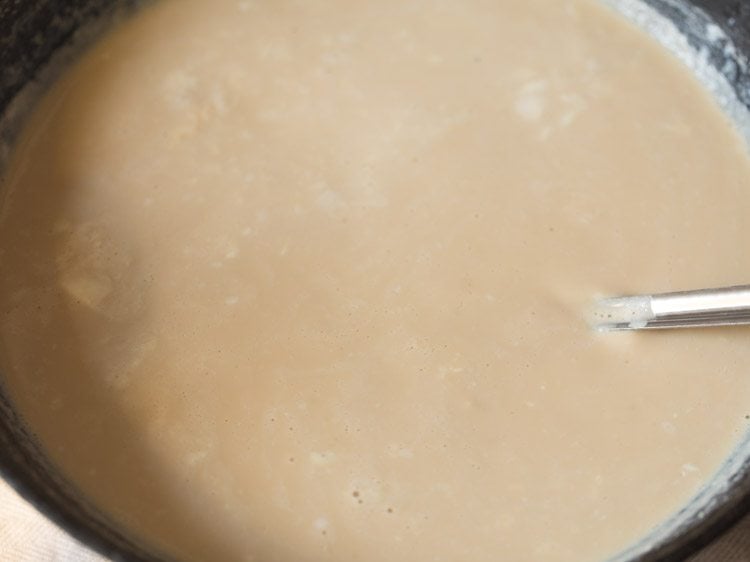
point(728, 306)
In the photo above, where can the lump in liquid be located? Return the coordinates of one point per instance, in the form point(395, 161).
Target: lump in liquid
point(304, 281)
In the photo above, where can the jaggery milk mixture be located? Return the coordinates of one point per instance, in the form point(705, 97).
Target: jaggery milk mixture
point(296, 281)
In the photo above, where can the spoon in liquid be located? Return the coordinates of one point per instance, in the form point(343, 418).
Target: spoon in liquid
point(728, 306)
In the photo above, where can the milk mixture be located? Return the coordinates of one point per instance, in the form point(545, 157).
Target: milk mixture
point(304, 281)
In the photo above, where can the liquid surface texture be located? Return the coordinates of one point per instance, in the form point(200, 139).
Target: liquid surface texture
point(300, 281)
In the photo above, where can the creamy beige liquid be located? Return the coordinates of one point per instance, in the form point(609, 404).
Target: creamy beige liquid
point(302, 281)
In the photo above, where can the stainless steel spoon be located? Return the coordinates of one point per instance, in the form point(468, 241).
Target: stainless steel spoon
point(728, 306)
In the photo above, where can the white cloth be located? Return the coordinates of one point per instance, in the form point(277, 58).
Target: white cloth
point(26, 536)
